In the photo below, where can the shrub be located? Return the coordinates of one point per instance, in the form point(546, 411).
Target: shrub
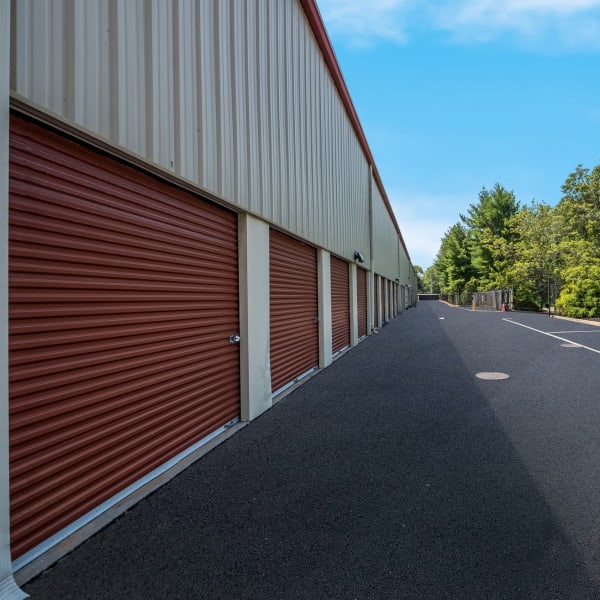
point(524, 299)
point(580, 299)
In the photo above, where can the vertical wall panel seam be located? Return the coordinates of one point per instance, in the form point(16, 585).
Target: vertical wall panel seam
point(236, 39)
point(219, 109)
point(312, 146)
point(304, 104)
point(8, 587)
point(262, 119)
point(200, 99)
point(177, 96)
point(287, 157)
point(147, 14)
point(28, 44)
point(113, 69)
point(252, 116)
point(264, 109)
point(284, 184)
point(12, 41)
point(275, 122)
point(69, 68)
point(295, 98)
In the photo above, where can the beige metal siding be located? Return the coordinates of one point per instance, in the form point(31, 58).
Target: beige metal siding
point(234, 97)
point(385, 239)
point(406, 270)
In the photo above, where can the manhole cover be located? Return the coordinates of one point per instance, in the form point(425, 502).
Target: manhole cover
point(491, 376)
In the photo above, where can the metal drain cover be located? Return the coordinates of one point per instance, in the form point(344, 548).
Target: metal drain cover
point(491, 376)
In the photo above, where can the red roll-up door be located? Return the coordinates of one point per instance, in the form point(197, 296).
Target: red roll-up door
point(361, 288)
point(294, 309)
point(340, 303)
point(123, 294)
point(386, 300)
point(377, 295)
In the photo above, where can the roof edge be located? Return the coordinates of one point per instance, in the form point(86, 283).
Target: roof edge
point(318, 28)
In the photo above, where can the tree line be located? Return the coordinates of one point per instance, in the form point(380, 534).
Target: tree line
point(548, 255)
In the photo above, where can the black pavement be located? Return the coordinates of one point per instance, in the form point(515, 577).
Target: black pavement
point(395, 473)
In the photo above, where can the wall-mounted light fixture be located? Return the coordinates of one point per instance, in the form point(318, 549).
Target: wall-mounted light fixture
point(359, 257)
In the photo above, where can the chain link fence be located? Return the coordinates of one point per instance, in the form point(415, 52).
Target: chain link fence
point(491, 300)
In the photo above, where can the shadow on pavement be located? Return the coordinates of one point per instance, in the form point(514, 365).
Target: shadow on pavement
point(385, 476)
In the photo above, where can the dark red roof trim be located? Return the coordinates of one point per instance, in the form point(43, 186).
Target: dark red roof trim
point(318, 27)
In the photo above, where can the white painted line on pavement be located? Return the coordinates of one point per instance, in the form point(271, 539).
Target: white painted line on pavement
point(576, 331)
point(553, 336)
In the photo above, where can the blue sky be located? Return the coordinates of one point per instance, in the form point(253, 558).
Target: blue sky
point(457, 95)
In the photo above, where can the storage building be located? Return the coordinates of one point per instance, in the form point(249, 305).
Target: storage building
point(191, 222)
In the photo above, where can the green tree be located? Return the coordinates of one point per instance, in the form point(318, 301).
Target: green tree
point(535, 254)
point(532, 249)
point(419, 273)
point(580, 206)
point(453, 261)
point(490, 234)
point(580, 295)
point(431, 280)
point(579, 210)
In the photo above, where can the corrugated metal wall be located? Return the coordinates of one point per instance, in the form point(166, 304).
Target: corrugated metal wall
point(406, 272)
point(232, 96)
point(385, 239)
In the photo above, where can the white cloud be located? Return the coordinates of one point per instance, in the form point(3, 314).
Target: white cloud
point(566, 23)
point(362, 21)
point(422, 238)
point(551, 23)
point(423, 224)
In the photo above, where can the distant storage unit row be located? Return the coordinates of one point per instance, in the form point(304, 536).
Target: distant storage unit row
point(179, 249)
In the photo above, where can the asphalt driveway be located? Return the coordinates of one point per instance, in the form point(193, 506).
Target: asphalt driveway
point(395, 473)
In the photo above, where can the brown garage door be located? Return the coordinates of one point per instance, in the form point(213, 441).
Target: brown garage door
point(361, 287)
point(123, 294)
point(294, 309)
point(340, 303)
point(376, 300)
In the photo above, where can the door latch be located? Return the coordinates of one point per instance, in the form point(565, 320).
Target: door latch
point(234, 339)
